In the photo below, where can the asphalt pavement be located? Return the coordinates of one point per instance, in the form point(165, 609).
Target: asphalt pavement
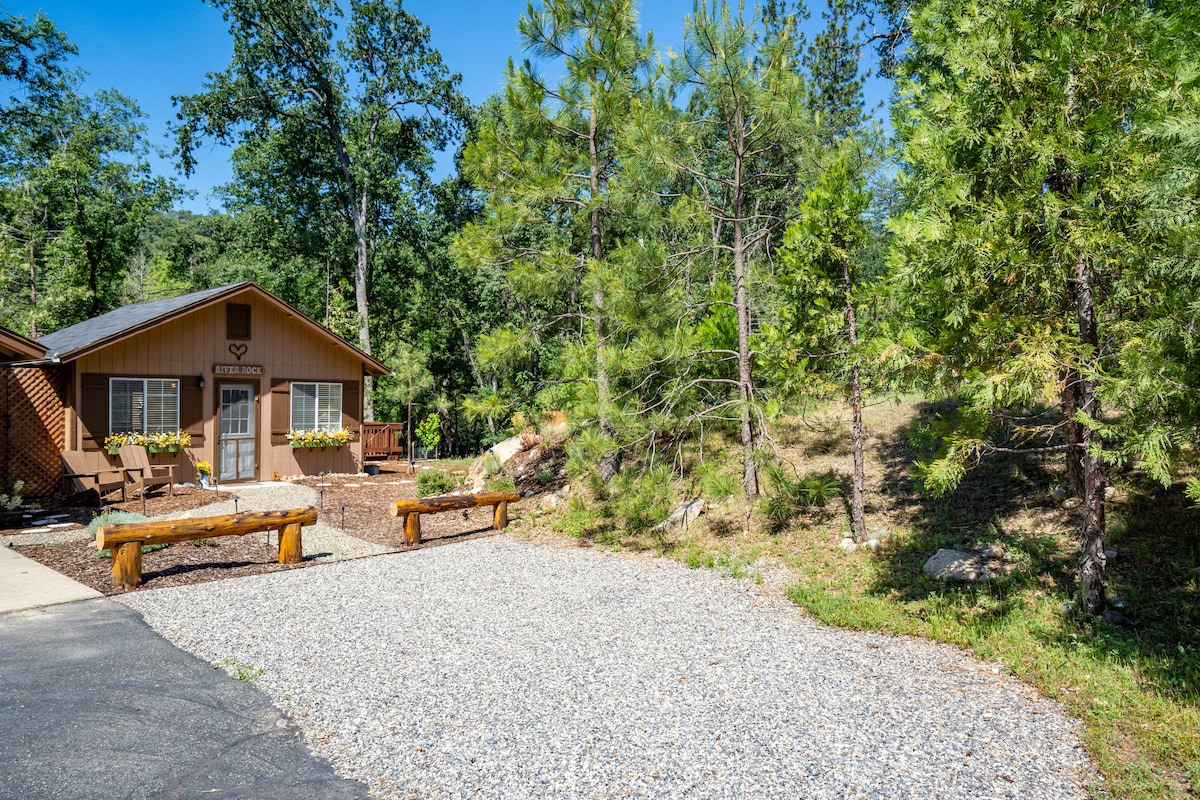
point(95, 705)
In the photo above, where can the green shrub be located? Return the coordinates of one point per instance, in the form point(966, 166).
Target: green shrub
point(12, 500)
point(788, 495)
point(641, 501)
point(431, 482)
point(120, 518)
point(429, 432)
point(113, 518)
point(503, 483)
point(718, 485)
point(491, 464)
point(816, 491)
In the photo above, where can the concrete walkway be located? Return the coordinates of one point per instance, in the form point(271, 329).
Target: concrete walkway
point(24, 583)
point(95, 705)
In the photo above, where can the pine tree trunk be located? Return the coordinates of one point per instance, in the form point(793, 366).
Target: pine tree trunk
point(1091, 533)
point(857, 504)
point(360, 301)
point(741, 302)
point(608, 462)
point(1072, 431)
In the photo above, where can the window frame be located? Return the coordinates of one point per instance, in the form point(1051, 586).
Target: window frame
point(177, 385)
point(316, 398)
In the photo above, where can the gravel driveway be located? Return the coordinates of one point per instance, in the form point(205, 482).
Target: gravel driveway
point(496, 668)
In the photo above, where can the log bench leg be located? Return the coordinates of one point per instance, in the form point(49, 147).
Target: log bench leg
point(412, 529)
point(127, 565)
point(291, 548)
point(500, 516)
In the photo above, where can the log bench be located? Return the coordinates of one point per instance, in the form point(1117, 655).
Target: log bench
point(126, 540)
point(410, 511)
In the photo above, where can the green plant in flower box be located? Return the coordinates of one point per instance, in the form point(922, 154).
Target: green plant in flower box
point(319, 438)
point(162, 442)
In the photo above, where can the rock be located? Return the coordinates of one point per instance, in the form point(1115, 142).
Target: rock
point(871, 544)
point(969, 566)
point(502, 451)
point(1071, 503)
point(549, 502)
point(848, 545)
point(993, 551)
point(683, 516)
point(1109, 555)
point(1068, 609)
point(882, 533)
point(1114, 617)
point(1120, 604)
point(1110, 492)
point(1059, 493)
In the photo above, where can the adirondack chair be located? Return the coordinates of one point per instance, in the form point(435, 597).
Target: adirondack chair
point(140, 474)
point(81, 478)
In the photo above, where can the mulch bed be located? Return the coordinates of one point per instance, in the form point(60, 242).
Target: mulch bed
point(356, 504)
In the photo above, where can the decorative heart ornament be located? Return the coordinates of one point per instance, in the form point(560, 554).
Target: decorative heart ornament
point(238, 350)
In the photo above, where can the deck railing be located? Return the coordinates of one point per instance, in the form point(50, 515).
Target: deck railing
point(383, 439)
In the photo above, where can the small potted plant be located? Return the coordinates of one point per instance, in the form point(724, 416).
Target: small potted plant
point(204, 468)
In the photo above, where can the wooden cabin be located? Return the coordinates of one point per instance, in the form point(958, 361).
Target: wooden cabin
point(30, 417)
point(234, 368)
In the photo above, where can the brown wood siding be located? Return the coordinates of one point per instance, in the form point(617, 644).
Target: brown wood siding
point(31, 408)
point(188, 347)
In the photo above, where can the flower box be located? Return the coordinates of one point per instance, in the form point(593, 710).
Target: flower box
point(308, 440)
point(172, 442)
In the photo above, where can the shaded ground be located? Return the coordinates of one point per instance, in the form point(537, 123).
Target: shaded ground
point(98, 705)
point(354, 504)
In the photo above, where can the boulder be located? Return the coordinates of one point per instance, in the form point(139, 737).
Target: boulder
point(683, 516)
point(848, 545)
point(968, 566)
point(1114, 617)
point(502, 451)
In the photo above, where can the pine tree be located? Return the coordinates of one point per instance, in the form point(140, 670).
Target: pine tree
point(832, 61)
point(735, 154)
point(1017, 122)
point(822, 284)
point(550, 164)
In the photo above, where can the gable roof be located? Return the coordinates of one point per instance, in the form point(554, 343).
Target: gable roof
point(90, 335)
point(15, 347)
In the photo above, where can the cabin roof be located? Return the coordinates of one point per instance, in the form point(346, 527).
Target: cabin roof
point(15, 347)
point(90, 335)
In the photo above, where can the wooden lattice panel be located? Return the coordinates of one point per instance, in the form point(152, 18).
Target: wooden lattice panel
point(31, 438)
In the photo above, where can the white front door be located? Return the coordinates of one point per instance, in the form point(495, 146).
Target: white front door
point(236, 451)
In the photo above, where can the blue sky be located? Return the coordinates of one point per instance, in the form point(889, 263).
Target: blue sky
point(152, 49)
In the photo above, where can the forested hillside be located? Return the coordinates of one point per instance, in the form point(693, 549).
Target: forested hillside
point(669, 246)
